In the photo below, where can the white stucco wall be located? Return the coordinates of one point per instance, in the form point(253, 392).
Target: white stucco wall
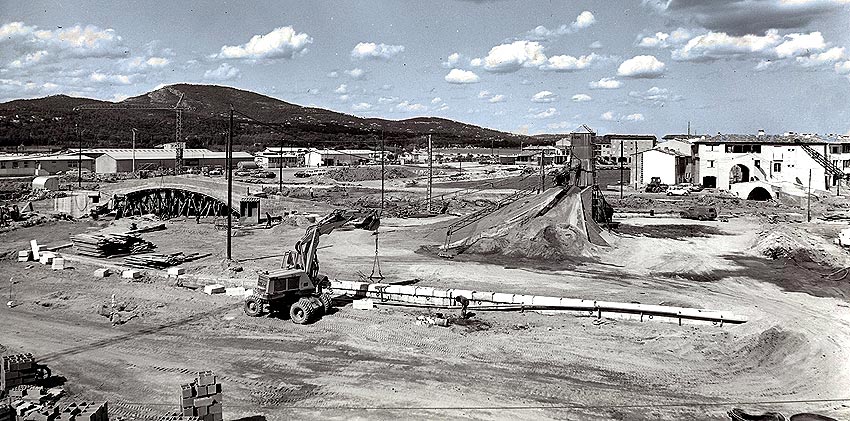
point(795, 164)
point(659, 164)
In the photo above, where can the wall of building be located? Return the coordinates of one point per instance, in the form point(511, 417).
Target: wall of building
point(793, 164)
point(658, 164)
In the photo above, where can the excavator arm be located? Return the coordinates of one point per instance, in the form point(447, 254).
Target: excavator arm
point(304, 256)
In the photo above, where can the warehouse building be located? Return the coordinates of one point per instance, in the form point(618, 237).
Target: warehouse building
point(24, 165)
point(110, 161)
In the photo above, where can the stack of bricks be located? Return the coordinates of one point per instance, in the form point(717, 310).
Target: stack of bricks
point(202, 398)
point(6, 412)
point(86, 411)
point(178, 418)
point(17, 370)
point(35, 402)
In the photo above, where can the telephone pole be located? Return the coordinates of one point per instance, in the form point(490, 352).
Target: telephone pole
point(430, 172)
point(228, 156)
point(542, 170)
point(79, 157)
point(383, 158)
point(134, 150)
point(622, 158)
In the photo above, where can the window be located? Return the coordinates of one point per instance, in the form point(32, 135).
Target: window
point(26, 164)
point(846, 163)
point(834, 162)
point(845, 148)
point(15, 164)
point(757, 163)
point(836, 149)
point(710, 163)
point(777, 167)
point(743, 148)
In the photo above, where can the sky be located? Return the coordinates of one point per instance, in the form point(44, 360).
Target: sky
point(650, 66)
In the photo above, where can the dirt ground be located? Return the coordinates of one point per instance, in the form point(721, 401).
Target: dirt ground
point(790, 356)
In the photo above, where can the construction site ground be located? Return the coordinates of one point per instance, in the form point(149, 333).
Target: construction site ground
point(380, 364)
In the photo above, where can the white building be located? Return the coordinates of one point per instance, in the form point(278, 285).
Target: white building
point(670, 165)
point(333, 157)
point(774, 159)
point(286, 156)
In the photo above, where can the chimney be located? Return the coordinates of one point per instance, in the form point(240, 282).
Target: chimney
point(761, 133)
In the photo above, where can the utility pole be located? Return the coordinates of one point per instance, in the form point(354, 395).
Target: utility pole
point(542, 170)
point(134, 150)
point(383, 158)
point(79, 157)
point(430, 172)
point(809, 199)
point(622, 158)
point(228, 157)
point(280, 169)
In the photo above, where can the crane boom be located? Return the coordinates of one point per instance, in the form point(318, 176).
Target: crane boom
point(305, 250)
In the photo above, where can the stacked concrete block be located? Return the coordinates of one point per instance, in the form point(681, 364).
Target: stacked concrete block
point(46, 257)
point(214, 289)
point(131, 274)
point(17, 370)
point(58, 263)
point(25, 256)
point(86, 411)
point(202, 398)
point(6, 412)
point(178, 418)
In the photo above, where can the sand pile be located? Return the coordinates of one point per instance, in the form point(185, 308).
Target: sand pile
point(795, 243)
point(551, 226)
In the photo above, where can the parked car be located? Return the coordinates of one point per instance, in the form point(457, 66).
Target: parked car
point(264, 174)
point(702, 213)
point(309, 173)
point(242, 173)
point(216, 172)
point(678, 190)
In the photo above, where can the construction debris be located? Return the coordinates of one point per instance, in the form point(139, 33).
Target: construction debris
point(86, 411)
point(202, 398)
point(106, 245)
point(102, 273)
point(162, 261)
point(6, 412)
point(214, 289)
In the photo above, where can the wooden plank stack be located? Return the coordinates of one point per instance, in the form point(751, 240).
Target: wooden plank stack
point(105, 245)
point(202, 398)
point(17, 370)
point(162, 261)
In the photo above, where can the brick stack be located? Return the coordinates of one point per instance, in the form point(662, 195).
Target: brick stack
point(17, 370)
point(86, 411)
point(178, 418)
point(202, 398)
point(35, 403)
point(6, 412)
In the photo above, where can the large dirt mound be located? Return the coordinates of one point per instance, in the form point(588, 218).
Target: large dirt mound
point(800, 245)
point(550, 226)
point(353, 174)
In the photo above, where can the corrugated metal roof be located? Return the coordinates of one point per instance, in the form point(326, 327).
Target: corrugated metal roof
point(168, 154)
point(56, 157)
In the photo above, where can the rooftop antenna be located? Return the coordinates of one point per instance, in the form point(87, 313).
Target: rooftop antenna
point(689, 129)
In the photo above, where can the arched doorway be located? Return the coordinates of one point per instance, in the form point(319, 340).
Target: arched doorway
point(739, 174)
point(759, 193)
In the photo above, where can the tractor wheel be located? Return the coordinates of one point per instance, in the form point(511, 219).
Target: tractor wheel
point(318, 304)
point(327, 302)
point(253, 307)
point(303, 311)
point(42, 373)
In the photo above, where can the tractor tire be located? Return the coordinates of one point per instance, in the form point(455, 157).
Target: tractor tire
point(253, 306)
point(42, 373)
point(303, 311)
point(327, 302)
point(320, 306)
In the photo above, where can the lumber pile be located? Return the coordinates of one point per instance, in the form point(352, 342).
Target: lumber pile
point(17, 370)
point(105, 245)
point(202, 398)
point(162, 261)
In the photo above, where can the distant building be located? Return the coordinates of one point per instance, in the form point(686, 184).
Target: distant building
point(276, 157)
point(627, 147)
point(670, 165)
point(110, 161)
point(334, 157)
point(726, 159)
point(24, 165)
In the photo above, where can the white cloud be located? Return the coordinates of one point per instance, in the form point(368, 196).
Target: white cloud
point(606, 83)
point(634, 117)
point(561, 125)
point(137, 64)
point(111, 79)
point(496, 98)
point(476, 62)
point(341, 89)
point(280, 43)
point(542, 33)
point(506, 58)
point(483, 94)
point(795, 44)
point(387, 99)
point(830, 56)
point(665, 40)
point(334, 74)
point(547, 113)
point(607, 116)
point(565, 63)
point(356, 73)
point(436, 100)
point(595, 45)
point(610, 116)
point(371, 50)
point(35, 46)
point(344, 98)
point(843, 68)
point(223, 72)
point(581, 98)
point(655, 95)
point(361, 106)
point(583, 20)
point(641, 67)
point(409, 107)
point(544, 96)
point(461, 77)
point(452, 60)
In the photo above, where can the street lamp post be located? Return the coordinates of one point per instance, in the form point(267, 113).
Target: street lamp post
point(134, 150)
